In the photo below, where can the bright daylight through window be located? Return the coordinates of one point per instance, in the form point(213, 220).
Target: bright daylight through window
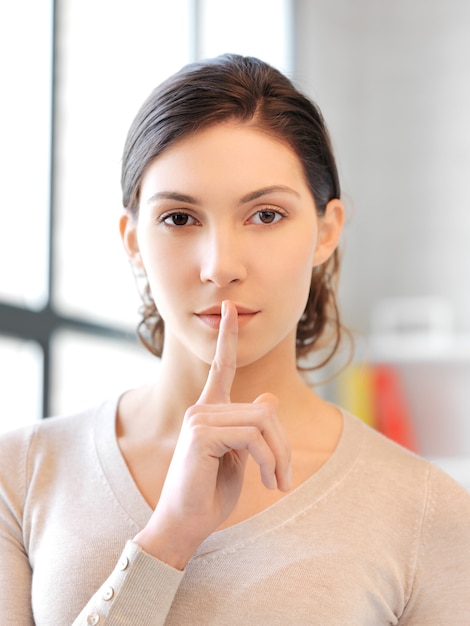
point(71, 105)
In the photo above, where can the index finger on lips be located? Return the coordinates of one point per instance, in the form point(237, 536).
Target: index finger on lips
point(222, 372)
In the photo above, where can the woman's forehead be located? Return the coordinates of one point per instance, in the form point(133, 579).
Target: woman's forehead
point(238, 156)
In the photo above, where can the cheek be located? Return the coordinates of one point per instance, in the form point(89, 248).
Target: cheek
point(294, 260)
point(165, 262)
point(291, 287)
point(159, 270)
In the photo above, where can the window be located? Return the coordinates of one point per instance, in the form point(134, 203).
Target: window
point(78, 73)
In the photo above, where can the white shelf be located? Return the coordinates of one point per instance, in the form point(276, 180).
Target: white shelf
point(418, 347)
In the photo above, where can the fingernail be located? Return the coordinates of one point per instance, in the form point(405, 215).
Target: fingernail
point(224, 308)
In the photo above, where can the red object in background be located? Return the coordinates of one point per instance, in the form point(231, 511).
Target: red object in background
point(392, 415)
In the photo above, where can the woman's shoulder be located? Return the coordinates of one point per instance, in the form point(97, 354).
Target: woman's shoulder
point(55, 430)
point(395, 469)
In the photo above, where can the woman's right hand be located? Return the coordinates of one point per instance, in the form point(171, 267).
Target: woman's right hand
point(205, 477)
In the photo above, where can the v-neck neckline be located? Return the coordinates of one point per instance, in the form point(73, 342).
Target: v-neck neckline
point(134, 505)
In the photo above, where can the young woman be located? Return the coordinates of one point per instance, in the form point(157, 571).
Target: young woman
point(227, 491)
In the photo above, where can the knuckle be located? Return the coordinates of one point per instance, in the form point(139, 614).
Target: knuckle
point(191, 411)
point(198, 434)
point(194, 418)
point(199, 430)
point(254, 433)
point(268, 416)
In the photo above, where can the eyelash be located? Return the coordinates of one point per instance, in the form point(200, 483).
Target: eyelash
point(280, 215)
point(275, 212)
point(166, 216)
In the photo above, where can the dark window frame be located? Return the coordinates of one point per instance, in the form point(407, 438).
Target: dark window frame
point(41, 325)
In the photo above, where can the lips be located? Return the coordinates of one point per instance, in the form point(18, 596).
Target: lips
point(216, 310)
point(212, 315)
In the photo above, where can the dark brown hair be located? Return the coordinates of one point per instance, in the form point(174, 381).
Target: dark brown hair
point(247, 90)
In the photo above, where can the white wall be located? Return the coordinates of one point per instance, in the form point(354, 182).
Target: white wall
point(393, 80)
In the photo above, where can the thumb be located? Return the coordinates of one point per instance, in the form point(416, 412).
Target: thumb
point(270, 398)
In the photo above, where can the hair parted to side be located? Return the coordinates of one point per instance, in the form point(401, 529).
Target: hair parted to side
point(246, 90)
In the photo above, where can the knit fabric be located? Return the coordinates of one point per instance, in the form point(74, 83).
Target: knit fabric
point(376, 536)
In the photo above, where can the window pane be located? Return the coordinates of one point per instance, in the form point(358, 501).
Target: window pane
point(107, 66)
point(21, 376)
point(25, 48)
point(259, 28)
point(87, 369)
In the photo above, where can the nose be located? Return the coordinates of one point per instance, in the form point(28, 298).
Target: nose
point(222, 258)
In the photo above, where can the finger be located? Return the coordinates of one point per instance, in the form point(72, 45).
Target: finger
point(262, 414)
point(227, 439)
point(278, 443)
point(269, 398)
point(222, 372)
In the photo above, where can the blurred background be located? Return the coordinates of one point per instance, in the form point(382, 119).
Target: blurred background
point(392, 78)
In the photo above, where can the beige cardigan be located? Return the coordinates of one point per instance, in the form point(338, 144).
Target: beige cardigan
point(376, 536)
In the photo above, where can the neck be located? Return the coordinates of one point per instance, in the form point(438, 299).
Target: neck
point(160, 407)
point(155, 412)
point(275, 372)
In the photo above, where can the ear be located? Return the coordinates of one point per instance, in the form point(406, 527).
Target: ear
point(330, 227)
point(128, 230)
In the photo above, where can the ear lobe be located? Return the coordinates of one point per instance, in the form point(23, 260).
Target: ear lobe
point(330, 227)
point(128, 230)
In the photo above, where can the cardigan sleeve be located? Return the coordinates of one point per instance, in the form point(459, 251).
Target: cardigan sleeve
point(139, 591)
point(15, 569)
point(441, 585)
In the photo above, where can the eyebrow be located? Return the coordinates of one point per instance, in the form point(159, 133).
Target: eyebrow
point(254, 195)
point(249, 197)
point(172, 195)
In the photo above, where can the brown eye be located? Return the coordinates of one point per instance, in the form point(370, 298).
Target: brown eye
point(266, 217)
point(179, 219)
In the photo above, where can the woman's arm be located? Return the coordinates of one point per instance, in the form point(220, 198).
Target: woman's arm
point(15, 570)
point(202, 486)
point(441, 585)
point(139, 591)
point(205, 476)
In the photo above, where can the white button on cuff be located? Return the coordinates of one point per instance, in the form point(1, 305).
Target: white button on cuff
point(108, 593)
point(93, 619)
point(123, 563)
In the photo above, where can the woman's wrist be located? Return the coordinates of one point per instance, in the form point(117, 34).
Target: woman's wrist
point(167, 547)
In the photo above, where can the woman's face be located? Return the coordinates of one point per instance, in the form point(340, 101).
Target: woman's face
point(227, 214)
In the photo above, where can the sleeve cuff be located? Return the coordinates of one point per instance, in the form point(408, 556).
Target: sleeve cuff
point(139, 591)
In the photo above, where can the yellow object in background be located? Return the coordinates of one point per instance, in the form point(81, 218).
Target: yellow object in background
point(375, 394)
point(356, 392)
